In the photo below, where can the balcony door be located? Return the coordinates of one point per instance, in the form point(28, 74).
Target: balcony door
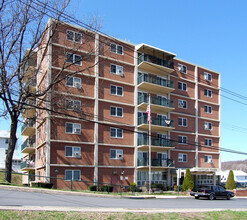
point(163, 158)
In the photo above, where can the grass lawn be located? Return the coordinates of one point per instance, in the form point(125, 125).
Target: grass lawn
point(127, 216)
point(16, 178)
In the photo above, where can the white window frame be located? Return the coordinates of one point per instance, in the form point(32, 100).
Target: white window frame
point(208, 142)
point(76, 128)
point(207, 126)
point(119, 69)
point(181, 158)
point(184, 121)
point(208, 93)
point(208, 76)
point(73, 175)
point(116, 132)
point(76, 151)
point(74, 59)
point(116, 48)
point(182, 104)
point(182, 68)
point(208, 109)
point(116, 90)
point(74, 38)
point(208, 159)
point(73, 105)
point(116, 111)
point(182, 85)
point(76, 82)
point(184, 139)
point(118, 154)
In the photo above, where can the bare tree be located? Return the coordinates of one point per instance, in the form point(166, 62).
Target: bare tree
point(24, 33)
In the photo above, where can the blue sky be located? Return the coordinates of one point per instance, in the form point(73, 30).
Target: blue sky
point(210, 33)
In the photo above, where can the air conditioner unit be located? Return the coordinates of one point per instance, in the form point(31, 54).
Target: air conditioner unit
point(76, 107)
point(120, 156)
point(210, 160)
point(77, 85)
point(77, 131)
point(180, 104)
point(76, 154)
point(179, 68)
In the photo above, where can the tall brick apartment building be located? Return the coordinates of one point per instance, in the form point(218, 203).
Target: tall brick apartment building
point(92, 125)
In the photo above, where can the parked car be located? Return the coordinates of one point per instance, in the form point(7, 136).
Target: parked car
point(211, 192)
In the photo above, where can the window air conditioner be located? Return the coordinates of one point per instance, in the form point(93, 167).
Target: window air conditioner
point(120, 156)
point(179, 68)
point(77, 85)
point(180, 104)
point(210, 160)
point(77, 131)
point(76, 154)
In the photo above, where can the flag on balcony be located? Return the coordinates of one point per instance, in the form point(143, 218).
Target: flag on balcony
point(148, 111)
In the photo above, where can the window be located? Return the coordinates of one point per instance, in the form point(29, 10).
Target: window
point(208, 126)
point(118, 70)
point(208, 142)
point(73, 152)
point(182, 104)
point(116, 111)
point(182, 139)
point(73, 128)
point(116, 90)
point(73, 58)
point(39, 154)
point(73, 36)
point(208, 76)
point(38, 175)
point(208, 109)
point(182, 157)
point(208, 93)
point(182, 68)
point(182, 86)
point(6, 141)
point(208, 159)
point(73, 82)
point(116, 154)
point(116, 49)
point(73, 105)
point(182, 122)
point(74, 175)
point(116, 132)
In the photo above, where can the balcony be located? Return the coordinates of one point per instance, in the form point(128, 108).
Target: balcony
point(28, 146)
point(155, 84)
point(28, 165)
point(156, 163)
point(29, 110)
point(158, 124)
point(154, 64)
point(158, 104)
point(28, 128)
point(157, 144)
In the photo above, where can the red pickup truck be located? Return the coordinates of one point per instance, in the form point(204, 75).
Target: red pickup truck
point(211, 192)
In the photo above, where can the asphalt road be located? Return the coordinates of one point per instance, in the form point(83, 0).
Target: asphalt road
point(14, 198)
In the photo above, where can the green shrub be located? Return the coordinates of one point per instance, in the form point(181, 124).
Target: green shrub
point(158, 186)
point(188, 182)
point(175, 188)
point(106, 188)
point(92, 188)
point(133, 187)
point(43, 185)
point(230, 183)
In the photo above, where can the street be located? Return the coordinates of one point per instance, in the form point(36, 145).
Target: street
point(14, 198)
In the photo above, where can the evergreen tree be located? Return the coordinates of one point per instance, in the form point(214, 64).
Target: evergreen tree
point(230, 183)
point(188, 182)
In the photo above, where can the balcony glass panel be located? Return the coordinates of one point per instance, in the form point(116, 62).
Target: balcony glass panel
point(155, 121)
point(155, 80)
point(156, 162)
point(156, 100)
point(156, 60)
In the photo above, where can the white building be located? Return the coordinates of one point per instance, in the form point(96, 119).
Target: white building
point(4, 142)
point(240, 177)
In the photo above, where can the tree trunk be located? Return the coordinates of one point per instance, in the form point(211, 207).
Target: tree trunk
point(11, 148)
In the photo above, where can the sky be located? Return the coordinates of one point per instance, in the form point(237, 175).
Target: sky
point(209, 33)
